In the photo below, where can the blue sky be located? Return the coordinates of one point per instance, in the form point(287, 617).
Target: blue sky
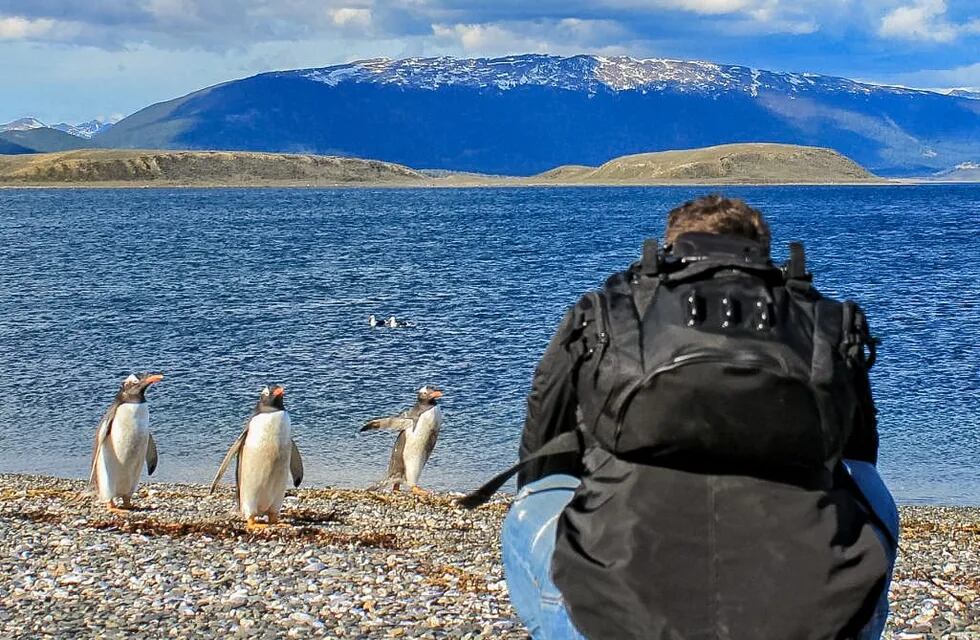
point(78, 59)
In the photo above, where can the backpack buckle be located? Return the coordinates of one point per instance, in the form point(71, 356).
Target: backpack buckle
point(695, 311)
point(762, 319)
point(795, 267)
point(650, 262)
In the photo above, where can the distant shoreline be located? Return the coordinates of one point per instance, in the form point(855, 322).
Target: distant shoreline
point(515, 183)
point(743, 164)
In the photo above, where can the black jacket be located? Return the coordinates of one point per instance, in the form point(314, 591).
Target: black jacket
point(654, 552)
point(552, 404)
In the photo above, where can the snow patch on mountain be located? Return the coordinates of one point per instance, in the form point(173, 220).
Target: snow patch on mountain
point(22, 124)
point(582, 73)
point(965, 92)
point(82, 130)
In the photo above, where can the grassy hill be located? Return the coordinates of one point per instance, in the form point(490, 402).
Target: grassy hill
point(754, 163)
point(196, 168)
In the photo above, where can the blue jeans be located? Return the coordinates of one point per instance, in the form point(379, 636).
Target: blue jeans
point(528, 542)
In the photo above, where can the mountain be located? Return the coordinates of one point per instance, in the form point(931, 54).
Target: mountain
point(963, 172)
point(973, 94)
point(43, 139)
point(30, 135)
point(730, 163)
point(22, 124)
point(198, 168)
point(522, 115)
point(83, 130)
point(12, 148)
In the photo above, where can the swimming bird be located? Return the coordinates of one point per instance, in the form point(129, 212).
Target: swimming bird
point(372, 321)
point(122, 443)
point(418, 429)
point(267, 458)
point(393, 323)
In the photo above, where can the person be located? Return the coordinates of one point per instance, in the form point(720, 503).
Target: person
point(698, 457)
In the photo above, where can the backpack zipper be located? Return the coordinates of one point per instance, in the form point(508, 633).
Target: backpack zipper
point(738, 358)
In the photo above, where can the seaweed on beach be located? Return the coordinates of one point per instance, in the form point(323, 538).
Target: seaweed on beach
point(447, 576)
point(149, 526)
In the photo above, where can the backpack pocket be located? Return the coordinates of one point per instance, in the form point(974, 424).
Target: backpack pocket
point(743, 410)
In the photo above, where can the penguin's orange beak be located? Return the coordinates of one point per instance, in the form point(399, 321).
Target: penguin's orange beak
point(156, 377)
point(278, 391)
point(436, 394)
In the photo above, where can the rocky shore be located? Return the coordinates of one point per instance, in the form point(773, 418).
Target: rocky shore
point(354, 564)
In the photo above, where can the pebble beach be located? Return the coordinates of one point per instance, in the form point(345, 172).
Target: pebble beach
point(351, 564)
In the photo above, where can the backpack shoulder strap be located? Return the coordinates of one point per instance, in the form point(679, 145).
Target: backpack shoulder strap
point(796, 277)
point(623, 317)
point(857, 337)
point(568, 442)
point(646, 276)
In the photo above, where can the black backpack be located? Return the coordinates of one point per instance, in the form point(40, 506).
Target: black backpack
point(713, 358)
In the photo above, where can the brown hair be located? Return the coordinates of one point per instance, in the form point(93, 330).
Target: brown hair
point(717, 214)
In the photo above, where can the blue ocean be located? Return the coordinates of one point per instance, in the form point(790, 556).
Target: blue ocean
point(225, 290)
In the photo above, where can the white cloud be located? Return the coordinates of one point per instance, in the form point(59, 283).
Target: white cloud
point(351, 17)
point(924, 20)
point(486, 38)
point(713, 6)
point(17, 28)
point(568, 36)
point(640, 27)
point(964, 76)
point(704, 7)
point(171, 9)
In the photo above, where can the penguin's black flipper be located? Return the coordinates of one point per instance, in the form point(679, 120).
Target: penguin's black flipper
point(105, 425)
point(295, 465)
point(151, 456)
point(232, 452)
point(394, 423)
point(396, 464)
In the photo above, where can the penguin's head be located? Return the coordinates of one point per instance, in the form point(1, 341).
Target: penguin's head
point(271, 397)
point(429, 394)
point(133, 388)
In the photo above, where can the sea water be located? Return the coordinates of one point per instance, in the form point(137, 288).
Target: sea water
point(225, 290)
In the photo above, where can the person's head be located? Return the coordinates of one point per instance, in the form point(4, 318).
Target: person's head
point(717, 214)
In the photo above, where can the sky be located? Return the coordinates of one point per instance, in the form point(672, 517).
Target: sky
point(73, 60)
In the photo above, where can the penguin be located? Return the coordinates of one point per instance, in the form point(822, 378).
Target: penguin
point(394, 323)
point(267, 459)
point(418, 429)
point(122, 443)
point(372, 321)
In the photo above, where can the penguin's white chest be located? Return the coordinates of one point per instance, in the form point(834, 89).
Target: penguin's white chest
point(263, 472)
point(419, 441)
point(122, 453)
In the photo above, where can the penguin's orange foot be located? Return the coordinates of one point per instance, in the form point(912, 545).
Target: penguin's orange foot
point(254, 525)
point(119, 511)
point(419, 491)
